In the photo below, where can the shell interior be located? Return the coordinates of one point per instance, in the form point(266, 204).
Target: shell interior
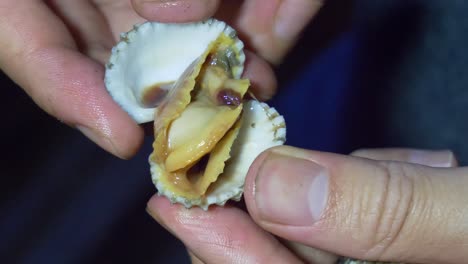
point(261, 127)
point(149, 59)
point(197, 124)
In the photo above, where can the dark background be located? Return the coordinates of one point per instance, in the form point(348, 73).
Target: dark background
point(366, 74)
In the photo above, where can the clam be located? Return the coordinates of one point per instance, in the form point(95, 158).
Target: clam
point(186, 78)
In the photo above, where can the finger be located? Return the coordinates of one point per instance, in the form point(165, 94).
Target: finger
point(375, 210)
point(194, 259)
point(175, 10)
point(261, 76)
point(119, 15)
point(219, 235)
point(89, 28)
point(442, 158)
point(269, 27)
point(310, 254)
point(40, 56)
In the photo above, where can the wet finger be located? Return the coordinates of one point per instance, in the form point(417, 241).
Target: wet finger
point(176, 11)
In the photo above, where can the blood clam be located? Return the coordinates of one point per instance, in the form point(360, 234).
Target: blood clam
point(186, 78)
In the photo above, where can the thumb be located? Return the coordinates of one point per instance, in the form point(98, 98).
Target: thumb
point(361, 208)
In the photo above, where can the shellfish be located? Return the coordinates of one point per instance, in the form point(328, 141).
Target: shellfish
point(187, 79)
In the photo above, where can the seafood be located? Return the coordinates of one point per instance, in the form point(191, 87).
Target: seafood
point(187, 79)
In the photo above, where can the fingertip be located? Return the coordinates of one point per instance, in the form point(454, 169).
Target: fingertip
point(250, 183)
point(175, 11)
point(113, 129)
point(129, 141)
point(261, 76)
point(152, 206)
point(174, 216)
point(70, 87)
point(158, 204)
point(158, 208)
point(362, 195)
point(290, 191)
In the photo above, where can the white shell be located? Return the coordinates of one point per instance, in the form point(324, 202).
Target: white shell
point(155, 53)
point(262, 128)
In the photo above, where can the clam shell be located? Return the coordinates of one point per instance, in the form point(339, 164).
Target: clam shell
point(262, 128)
point(154, 53)
point(158, 53)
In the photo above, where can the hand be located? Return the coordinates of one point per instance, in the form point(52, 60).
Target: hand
point(388, 205)
point(56, 50)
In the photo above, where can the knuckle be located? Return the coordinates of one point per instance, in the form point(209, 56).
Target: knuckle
point(395, 199)
point(453, 161)
point(369, 153)
point(359, 152)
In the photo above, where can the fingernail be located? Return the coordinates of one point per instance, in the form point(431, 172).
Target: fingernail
point(291, 191)
point(102, 141)
point(442, 159)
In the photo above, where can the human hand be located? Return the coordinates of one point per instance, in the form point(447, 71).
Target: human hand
point(56, 50)
point(388, 205)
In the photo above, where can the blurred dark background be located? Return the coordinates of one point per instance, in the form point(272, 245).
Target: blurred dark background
point(366, 74)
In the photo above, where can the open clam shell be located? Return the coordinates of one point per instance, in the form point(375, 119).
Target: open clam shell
point(154, 55)
point(187, 78)
point(261, 128)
